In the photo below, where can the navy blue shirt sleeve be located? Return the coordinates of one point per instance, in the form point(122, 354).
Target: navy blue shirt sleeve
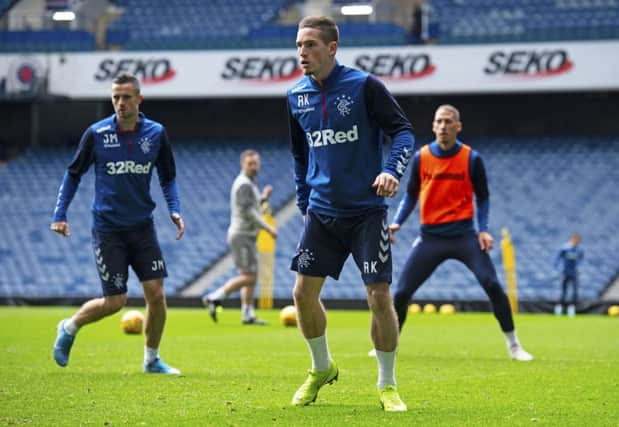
point(480, 186)
point(384, 109)
point(83, 158)
point(386, 112)
point(166, 170)
point(298, 146)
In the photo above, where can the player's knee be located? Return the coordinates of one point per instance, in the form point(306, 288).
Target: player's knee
point(249, 278)
point(301, 295)
point(307, 290)
point(156, 298)
point(154, 294)
point(379, 297)
point(114, 303)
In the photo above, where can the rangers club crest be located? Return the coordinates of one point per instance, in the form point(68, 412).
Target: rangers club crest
point(145, 144)
point(343, 104)
point(305, 259)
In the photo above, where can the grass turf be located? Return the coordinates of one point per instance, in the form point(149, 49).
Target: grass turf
point(452, 370)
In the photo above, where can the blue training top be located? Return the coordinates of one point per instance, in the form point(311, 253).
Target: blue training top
point(336, 134)
point(480, 187)
point(568, 258)
point(124, 162)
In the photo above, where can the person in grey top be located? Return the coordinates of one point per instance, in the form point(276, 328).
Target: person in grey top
point(245, 223)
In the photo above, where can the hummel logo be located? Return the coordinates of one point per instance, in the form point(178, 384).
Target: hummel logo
point(383, 253)
point(299, 88)
point(103, 129)
point(105, 275)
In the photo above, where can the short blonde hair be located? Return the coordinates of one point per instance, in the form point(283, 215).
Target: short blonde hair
point(451, 109)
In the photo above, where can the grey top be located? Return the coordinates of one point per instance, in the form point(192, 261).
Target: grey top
point(245, 217)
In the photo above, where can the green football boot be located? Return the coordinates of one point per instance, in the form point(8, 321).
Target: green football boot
point(308, 391)
point(390, 399)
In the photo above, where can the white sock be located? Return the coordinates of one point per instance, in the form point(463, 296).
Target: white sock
point(511, 338)
point(321, 359)
point(150, 354)
point(217, 294)
point(248, 311)
point(70, 327)
point(386, 368)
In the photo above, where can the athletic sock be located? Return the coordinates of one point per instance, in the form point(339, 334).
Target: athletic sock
point(512, 338)
point(386, 368)
point(321, 359)
point(70, 327)
point(150, 354)
point(217, 295)
point(248, 311)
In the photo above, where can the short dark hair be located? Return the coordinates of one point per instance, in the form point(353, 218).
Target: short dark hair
point(124, 78)
point(327, 27)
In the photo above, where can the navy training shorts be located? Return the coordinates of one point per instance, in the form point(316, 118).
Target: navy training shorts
point(327, 241)
point(115, 251)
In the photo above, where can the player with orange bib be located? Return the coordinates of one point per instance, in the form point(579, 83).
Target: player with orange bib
point(445, 176)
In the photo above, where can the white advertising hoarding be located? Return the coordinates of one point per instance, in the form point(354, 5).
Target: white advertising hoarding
point(527, 67)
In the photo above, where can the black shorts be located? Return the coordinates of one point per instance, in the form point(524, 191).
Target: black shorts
point(117, 250)
point(327, 241)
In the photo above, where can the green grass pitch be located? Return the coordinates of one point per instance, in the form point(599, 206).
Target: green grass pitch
point(452, 370)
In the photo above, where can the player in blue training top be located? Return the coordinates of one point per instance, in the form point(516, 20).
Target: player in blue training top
point(444, 177)
point(337, 119)
point(124, 149)
point(566, 261)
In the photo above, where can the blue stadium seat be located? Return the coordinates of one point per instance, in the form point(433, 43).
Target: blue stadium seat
point(190, 24)
point(35, 262)
point(485, 21)
point(537, 193)
point(46, 41)
point(245, 24)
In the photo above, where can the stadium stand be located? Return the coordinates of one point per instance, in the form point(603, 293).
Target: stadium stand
point(190, 24)
point(351, 35)
point(37, 263)
point(495, 21)
point(246, 24)
point(536, 193)
point(46, 41)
